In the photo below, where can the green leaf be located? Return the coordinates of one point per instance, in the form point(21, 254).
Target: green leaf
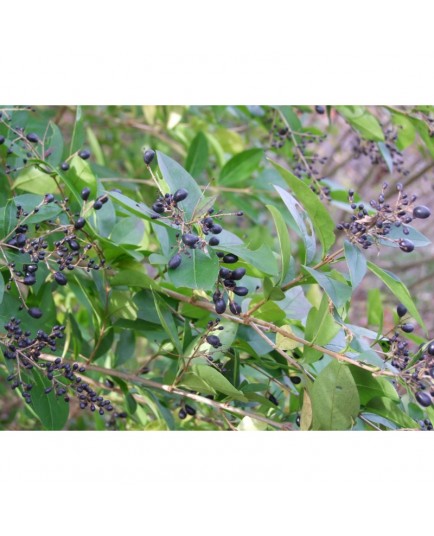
point(398, 288)
point(197, 157)
point(356, 263)
point(197, 271)
point(284, 242)
point(78, 132)
point(387, 157)
point(321, 328)
point(30, 201)
point(362, 121)
point(338, 292)
point(217, 381)
point(2, 287)
point(52, 411)
point(323, 223)
point(385, 407)
point(126, 347)
point(370, 387)
point(128, 231)
point(33, 180)
point(406, 131)
point(80, 175)
point(334, 396)
point(166, 319)
point(302, 222)
point(176, 177)
point(241, 167)
point(375, 307)
point(55, 143)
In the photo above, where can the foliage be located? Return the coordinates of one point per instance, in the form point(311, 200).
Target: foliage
point(204, 268)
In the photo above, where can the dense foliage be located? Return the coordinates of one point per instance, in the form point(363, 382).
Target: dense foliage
point(214, 268)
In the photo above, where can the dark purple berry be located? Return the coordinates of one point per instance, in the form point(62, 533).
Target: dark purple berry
point(220, 306)
point(225, 273)
point(64, 166)
point(190, 239)
point(84, 155)
point(148, 156)
point(49, 198)
point(319, 109)
point(406, 245)
point(421, 212)
point(175, 261)
point(241, 291)
point(182, 414)
point(190, 410)
point(430, 348)
point(60, 278)
point(235, 308)
point(407, 328)
point(158, 207)
point(97, 204)
point(214, 241)
point(32, 137)
point(34, 312)
point(295, 379)
point(29, 279)
point(2, 140)
point(401, 310)
point(238, 274)
point(79, 223)
point(423, 398)
point(216, 228)
point(213, 340)
point(229, 258)
point(85, 193)
point(180, 195)
point(273, 399)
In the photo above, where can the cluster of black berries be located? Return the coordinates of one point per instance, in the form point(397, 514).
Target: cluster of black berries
point(185, 410)
point(420, 376)
point(426, 425)
point(367, 227)
point(25, 352)
point(39, 243)
point(167, 206)
point(370, 149)
point(227, 283)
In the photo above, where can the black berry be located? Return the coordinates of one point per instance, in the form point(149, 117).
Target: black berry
point(401, 310)
point(29, 279)
point(295, 379)
point(190, 410)
point(182, 413)
point(220, 306)
point(421, 212)
point(84, 155)
point(407, 328)
point(34, 312)
point(273, 399)
point(423, 398)
point(238, 273)
point(64, 166)
point(148, 156)
point(241, 291)
point(216, 228)
point(60, 278)
point(2, 140)
point(190, 239)
point(180, 195)
point(97, 205)
point(213, 340)
point(32, 137)
point(85, 193)
point(229, 258)
point(406, 245)
point(79, 223)
point(319, 109)
point(175, 261)
point(235, 308)
point(430, 348)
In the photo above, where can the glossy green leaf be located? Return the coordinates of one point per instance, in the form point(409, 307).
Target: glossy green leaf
point(338, 292)
point(176, 177)
point(33, 179)
point(52, 411)
point(217, 381)
point(128, 231)
point(322, 221)
point(197, 271)
point(167, 321)
point(334, 397)
point(390, 410)
point(77, 139)
point(55, 144)
point(284, 242)
point(241, 167)
point(81, 175)
point(398, 288)
point(197, 157)
point(356, 262)
point(370, 387)
point(362, 121)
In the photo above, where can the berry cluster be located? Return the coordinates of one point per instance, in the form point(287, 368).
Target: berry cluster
point(368, 227)
point(227, 283)
point(186, 410)
point(370, 149)
point(62, 378)
point(60, 246)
